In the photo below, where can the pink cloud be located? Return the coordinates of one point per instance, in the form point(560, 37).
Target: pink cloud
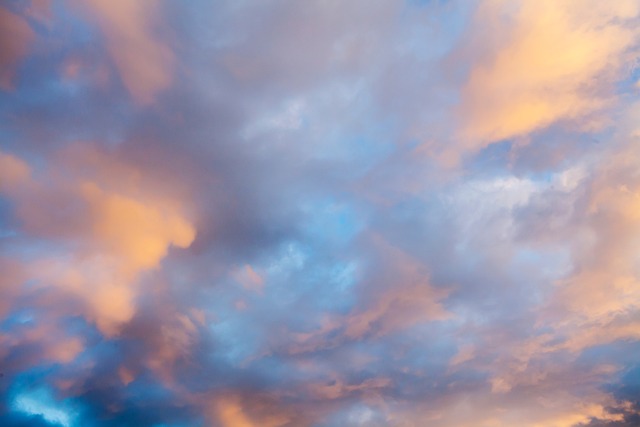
point(116, 235)
point(145, 63)
point(16, 37)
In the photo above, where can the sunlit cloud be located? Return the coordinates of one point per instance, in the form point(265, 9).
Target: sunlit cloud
point(539, 62)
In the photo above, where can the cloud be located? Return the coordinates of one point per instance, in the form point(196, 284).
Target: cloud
point(117, 237)
point(145, 63)
point(324, 215)
point(17, 37)
point(540, 63)
point(230, 414)
point(14, 172)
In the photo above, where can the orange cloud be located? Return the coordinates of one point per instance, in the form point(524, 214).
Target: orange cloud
point(595, 301)
point(53, 343)
point(144, 63)
point(13, 172)
point(551, 408)
point(543, 61)
point(16, 36)
point(65, 351)
point(139, 232)
point(612, 215)
point(116, 236)
point(234, 411)
point(230, 414)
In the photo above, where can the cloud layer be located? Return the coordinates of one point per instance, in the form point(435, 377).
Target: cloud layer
point(239, 214)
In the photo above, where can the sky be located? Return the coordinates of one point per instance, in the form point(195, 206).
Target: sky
point(320, 213)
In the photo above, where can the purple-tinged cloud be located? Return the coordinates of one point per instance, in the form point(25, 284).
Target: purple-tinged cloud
point(319, 214)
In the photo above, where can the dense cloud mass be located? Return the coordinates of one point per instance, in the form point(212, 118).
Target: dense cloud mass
point(408, 213)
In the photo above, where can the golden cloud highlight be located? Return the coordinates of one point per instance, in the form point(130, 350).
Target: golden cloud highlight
point(542, 62)
point(114, 237)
